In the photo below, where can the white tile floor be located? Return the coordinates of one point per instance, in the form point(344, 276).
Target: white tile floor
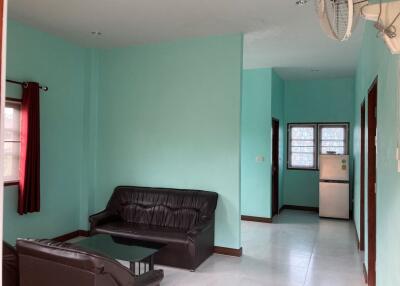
point(298, 249)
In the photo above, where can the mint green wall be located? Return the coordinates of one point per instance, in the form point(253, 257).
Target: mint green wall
point(87, 195)
point(329, 100)
point(36, 56)
point(256, 141)
point(169, 116)
point(263, 94)
point(375, 60)
point(158, 115)
point(266, 95)
point(278, 112)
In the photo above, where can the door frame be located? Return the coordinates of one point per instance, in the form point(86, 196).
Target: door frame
point(362, 179)
point(372, 179)
point(275, 171)
point(3, 29)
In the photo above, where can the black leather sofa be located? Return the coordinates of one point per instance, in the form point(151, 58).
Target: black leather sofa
point(183, 220)
point(10, 265)
point(50, 263)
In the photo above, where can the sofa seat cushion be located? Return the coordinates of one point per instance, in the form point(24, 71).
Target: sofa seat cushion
point(158, 234)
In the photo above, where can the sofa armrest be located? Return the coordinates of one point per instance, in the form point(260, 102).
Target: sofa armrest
point(101, 218)
point(151, 278)
point(201, 226)
point(10, 265)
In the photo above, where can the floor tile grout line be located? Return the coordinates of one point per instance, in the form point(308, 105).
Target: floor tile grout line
point(309, 261)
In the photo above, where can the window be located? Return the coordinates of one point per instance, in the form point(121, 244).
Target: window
point(11, 141)
point(333, 139)
point(306, 141)
point(302, 146)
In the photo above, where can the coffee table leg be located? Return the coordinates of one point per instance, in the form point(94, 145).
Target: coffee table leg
point(151, 263)
point(132, 267)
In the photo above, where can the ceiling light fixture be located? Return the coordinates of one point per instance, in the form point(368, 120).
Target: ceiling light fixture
point(301, 2)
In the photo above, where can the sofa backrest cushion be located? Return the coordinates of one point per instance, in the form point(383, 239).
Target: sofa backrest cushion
point(163, 207)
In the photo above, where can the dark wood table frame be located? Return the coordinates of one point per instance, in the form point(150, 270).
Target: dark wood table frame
point(147, 263)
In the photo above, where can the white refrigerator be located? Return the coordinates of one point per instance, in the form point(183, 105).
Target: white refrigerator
point(334, 187)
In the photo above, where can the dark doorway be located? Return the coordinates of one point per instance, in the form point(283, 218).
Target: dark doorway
point(362, 177)
point(372, 125)
point(275, 167)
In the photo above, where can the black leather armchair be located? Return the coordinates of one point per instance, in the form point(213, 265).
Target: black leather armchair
point(49, 263)
point(183, 220)
point(10, 265)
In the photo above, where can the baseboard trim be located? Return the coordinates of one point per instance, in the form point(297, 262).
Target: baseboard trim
point(256, 219)
point(228, 251)
point(356, 236)
point(84, 233)
point(72, 235)
point(358, 242)
point(299, 208)
point(365, 273)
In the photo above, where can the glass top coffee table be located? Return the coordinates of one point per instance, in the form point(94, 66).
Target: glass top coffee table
point(140, 254)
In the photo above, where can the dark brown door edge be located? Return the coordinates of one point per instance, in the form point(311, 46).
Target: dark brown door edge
point(275, 167)
point(372, 126)
point(362, 177)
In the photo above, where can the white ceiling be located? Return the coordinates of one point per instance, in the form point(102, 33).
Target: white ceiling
point(296, 46)
point(278, 33)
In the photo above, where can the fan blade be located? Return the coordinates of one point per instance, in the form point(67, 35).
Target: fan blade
point(357, 12)
point(324, 20)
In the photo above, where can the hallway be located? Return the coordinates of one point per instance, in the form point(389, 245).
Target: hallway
point(298, 249)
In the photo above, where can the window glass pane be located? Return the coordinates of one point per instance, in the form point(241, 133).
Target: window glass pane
point(302, 146)
point(302, 160)
point(11, 141)
point(333, 140)
point(302, 149)
point(303, 143)
point(11, 161)
point(332, 143)
point(332, 133)
point(302, 133)
point(12, 122)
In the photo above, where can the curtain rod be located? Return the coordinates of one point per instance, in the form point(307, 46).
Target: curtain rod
point(44, 88)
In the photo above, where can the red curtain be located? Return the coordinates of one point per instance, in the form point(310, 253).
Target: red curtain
point(29, 171)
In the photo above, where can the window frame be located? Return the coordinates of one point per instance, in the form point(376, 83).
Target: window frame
point(337, 125)
point(317, 141)
point(19, 102)
point(289, 146)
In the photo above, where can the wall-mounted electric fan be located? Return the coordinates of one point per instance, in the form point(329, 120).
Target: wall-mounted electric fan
point(338, 19)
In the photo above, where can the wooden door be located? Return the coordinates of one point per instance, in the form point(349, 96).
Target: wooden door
point(275, 167)
point(372, 126)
